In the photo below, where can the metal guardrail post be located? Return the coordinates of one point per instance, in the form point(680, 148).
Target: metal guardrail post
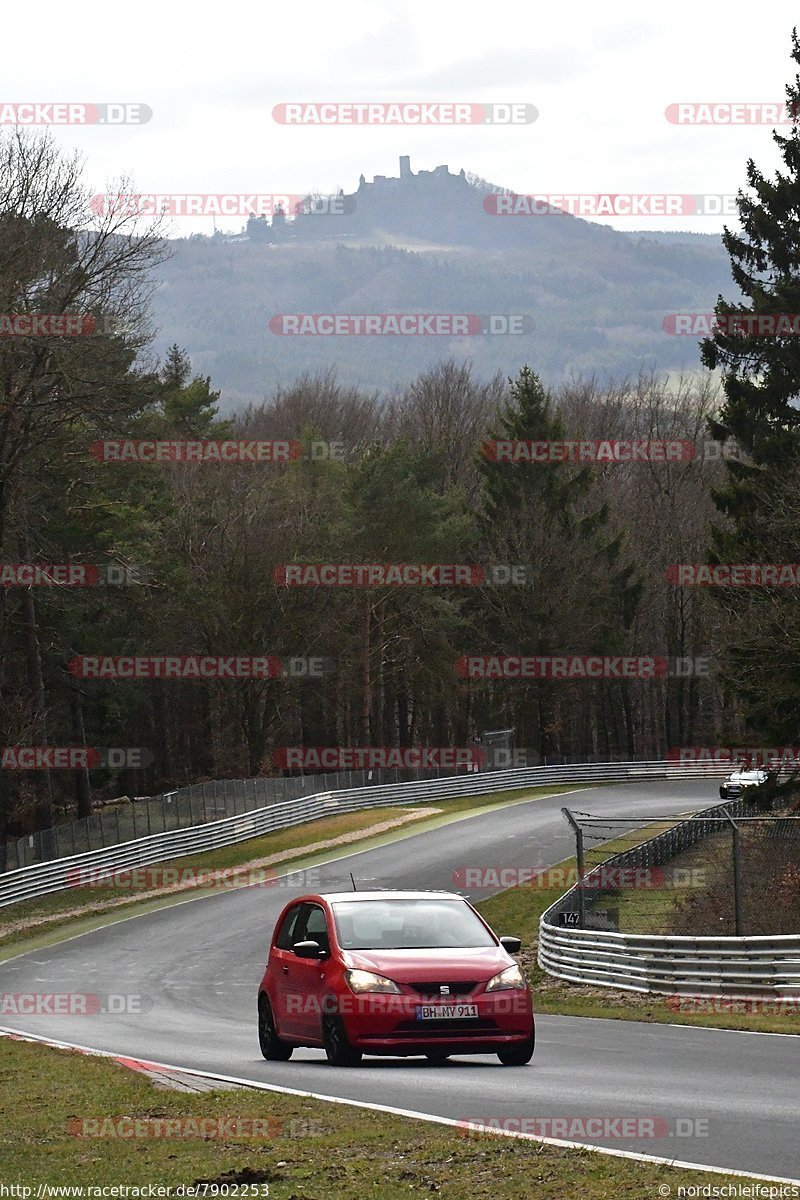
point(581, 866)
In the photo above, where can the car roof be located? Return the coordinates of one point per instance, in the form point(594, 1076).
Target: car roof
point(345, 897)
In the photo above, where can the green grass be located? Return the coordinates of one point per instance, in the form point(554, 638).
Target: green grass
point(313, 1151)
point(49, 919)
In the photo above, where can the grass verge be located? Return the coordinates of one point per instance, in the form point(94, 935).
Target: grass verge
point(315, 1149)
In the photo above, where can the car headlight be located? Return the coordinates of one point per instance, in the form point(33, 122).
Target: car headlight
point(368, 981)
point(512, 977)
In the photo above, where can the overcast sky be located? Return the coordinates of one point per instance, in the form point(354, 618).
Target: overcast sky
point(601, 77)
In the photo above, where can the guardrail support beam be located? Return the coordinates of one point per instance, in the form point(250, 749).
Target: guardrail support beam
point(579, 857)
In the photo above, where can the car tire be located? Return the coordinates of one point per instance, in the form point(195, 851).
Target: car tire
point(517, 1056)
point(272, 1047)
point(436, 1060)
point(337, 1047)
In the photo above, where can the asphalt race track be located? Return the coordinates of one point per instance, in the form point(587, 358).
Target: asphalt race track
point(198, 965)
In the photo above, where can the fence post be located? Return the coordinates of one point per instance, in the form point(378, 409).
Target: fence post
point(581, 871)
point(737, 877)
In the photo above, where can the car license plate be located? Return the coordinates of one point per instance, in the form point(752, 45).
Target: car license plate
point(445, 1012)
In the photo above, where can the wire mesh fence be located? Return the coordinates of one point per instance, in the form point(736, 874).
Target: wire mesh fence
point(733, 870)
point(199, 803)
point(196, 804)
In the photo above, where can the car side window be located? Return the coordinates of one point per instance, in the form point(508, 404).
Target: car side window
point(286, 938)
point(316, 928)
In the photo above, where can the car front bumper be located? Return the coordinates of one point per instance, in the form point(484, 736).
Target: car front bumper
point(390, 1025)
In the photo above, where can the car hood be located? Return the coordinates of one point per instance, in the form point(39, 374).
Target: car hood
point(431, 966)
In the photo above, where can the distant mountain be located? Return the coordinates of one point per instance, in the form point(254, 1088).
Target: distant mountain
point(593, 298)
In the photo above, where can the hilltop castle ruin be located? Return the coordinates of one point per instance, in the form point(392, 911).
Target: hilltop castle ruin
point(407, 177)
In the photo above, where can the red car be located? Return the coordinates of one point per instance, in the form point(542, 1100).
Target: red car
point(397, 973)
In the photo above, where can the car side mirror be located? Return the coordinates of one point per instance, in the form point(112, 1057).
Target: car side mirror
point(512, 944)
point(307, 949)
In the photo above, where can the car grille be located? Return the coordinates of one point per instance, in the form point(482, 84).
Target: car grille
point(460, 988)
point(419, 1031)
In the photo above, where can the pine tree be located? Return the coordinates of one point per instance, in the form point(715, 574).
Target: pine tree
point(177, 369)
point(760, 647)
point(761, 374)
point(582, 595)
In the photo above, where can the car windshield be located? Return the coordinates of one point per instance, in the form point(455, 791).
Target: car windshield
point(428, 924)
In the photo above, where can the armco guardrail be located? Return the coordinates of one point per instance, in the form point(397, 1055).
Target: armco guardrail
point(668, 963)
point(57, 875)
point(183, 808)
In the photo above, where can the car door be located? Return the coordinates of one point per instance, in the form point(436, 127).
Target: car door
point(280, 958)
point(306, 976)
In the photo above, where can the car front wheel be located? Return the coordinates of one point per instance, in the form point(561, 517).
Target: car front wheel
point(517, 1056)
point(271, 1045)
point(337, 1048)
